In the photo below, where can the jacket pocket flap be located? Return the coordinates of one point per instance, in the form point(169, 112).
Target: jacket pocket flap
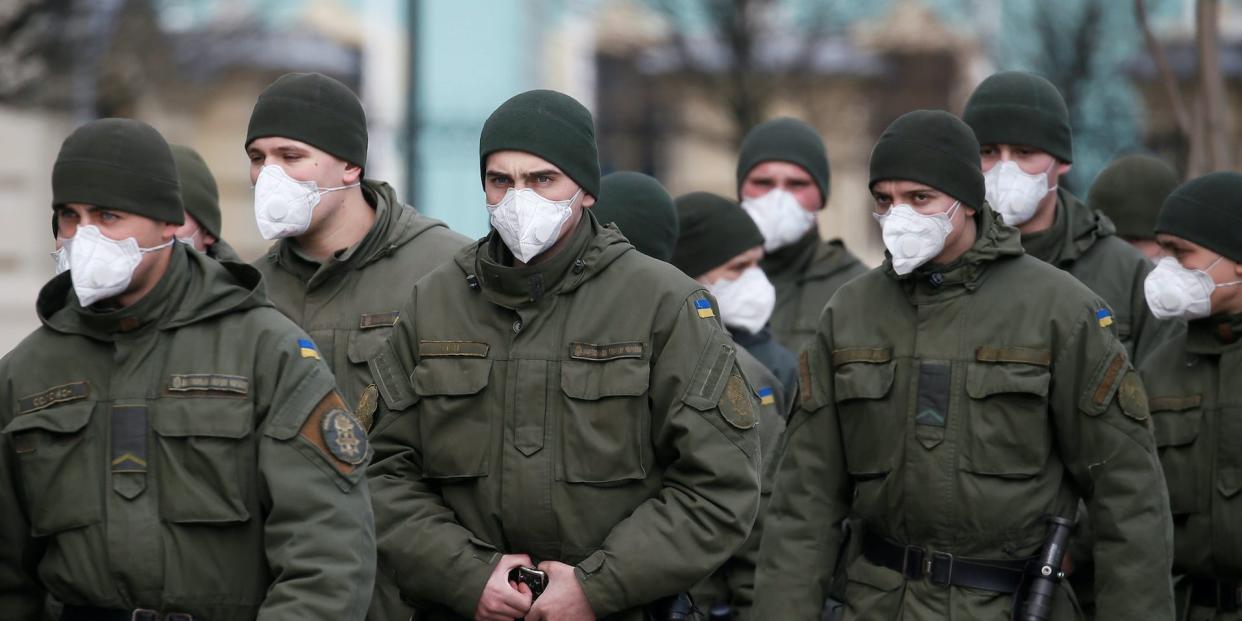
point(216, 418)
point(62, 419)
point(862, 380)
point(984, 379)
point(623, 377)
point(366, 344)
point(451, 377)
point(1176, 428)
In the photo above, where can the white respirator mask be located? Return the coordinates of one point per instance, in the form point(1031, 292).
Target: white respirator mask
point(913, 238)
point(780, 218)
point(283, 205)
point(747, 301)
point(1013, 193)
point(528, 223)
point(1176, 292)
point(102, 267)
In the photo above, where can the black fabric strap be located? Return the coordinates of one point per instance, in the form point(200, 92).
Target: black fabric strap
point(915, 563)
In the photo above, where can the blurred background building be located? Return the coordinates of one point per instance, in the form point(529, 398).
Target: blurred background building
point(673, 84)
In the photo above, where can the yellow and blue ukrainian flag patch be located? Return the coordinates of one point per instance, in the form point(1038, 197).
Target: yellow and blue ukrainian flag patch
point(1105, 317)
point(766, 395)
point(308, 349)
point(705, 309)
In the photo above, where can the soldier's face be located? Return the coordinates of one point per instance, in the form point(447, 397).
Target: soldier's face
point(928, 201)
point(1192, 256)
point(305, 163)
point(517, 170)
point(792, 178)
point(733, 269)
point(119, 225)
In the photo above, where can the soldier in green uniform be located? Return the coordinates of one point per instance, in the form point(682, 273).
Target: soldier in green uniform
point(950, 416)
point(171, 446)
point(782, 182)
point(1196, 398)
point(348, 249)
point(201, 199)
point(558, 400)
point(721, 247)
point(1026, 142)
point(1130, 192)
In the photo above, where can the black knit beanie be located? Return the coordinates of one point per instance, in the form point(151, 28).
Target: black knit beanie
point(931, 147)
point(714, 229)
point(1130, 191)
point(551, 125)
point(785, 140)
point(1207, 211)
point(1015, 107)
point(119, 164)
point(199, 194)
point(315, 109)
point(642, 209)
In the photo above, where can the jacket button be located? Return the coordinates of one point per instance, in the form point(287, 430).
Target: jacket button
point(517, 326)
point(579, 265)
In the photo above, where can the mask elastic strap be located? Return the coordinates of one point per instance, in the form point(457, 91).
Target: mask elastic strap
point(159, 247)
point(323, 191)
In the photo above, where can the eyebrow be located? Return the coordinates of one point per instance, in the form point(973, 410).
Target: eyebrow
point(541, 173)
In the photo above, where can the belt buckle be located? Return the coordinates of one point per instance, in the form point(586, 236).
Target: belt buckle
point(912, 562)
point(144, 614)
point(948, 575)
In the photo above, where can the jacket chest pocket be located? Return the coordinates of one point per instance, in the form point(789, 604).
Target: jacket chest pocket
point(606, 419)
point(870, 417)
point(206, 459)
point(1176, 422)
point(60, 460)
point(454, 418)
point(1007, 431)
point(366, 340)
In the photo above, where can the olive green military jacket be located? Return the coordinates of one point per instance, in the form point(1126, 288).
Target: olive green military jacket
point(1083, 242)
point(805, 275)
point(173, 455)
point(1195, 388)
point(733, 583)
point(587, 410)
point(350, 302)
point(954, 409)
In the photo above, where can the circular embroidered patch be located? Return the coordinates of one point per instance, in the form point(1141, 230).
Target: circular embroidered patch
point(345, 437)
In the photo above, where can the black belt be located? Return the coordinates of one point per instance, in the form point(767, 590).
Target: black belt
point(1223, 595)
point(90, 613)
point(944, 569)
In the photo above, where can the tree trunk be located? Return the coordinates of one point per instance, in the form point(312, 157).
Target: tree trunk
point(1216, 131)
